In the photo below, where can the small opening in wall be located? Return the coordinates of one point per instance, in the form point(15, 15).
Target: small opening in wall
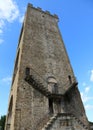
point(21, 34)
point(9, 117)
point(27, 71)
point(43, 16)
point(16, 66)
point(55, 88)
point(70, 79)
point(51, 111)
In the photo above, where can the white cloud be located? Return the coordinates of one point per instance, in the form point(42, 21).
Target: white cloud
point(88, 107)
point(1, 41)
point(84, 84)
point(1, 23)
point(87, 89)
point(1, 31)
point(91, 76)
point(84, 97)
point(7, 80)
point(8, 12)
point(21, 19)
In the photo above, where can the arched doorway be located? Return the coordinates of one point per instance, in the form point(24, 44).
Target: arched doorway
point(9, 117)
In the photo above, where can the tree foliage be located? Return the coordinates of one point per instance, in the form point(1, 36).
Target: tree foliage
point(2, 122)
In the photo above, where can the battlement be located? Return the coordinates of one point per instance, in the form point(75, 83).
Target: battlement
point(45, 12)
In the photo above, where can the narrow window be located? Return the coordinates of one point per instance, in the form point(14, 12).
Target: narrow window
point(16, 66)
point(27, 71)
point(70, 80)
point(10, 112)
point(21, 34)
point(55, 88)
point(59, 106)
point(17, 58)
point(51, 111)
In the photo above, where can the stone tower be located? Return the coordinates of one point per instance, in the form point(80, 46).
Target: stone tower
point(44, 93)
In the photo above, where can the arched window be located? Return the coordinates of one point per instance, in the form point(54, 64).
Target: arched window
point(52, 85)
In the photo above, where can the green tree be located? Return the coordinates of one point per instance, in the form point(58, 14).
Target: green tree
point(2, 122)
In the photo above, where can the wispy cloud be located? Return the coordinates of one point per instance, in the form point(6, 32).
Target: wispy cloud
point(91, 76)
point(21, 19)
point(1, 41)
point(87, 89)
point(89, 107)
point(1, 31)
point(8, 10)
point(8, 13)
point(85, 95)
point(1, 23)
point(84, 84)
point(6, 80)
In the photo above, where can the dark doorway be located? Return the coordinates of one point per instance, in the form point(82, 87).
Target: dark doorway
point(51, 111)
point(59, 106)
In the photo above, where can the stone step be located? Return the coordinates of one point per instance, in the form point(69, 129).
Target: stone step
point(40, 86)
point(50, 122)
point(73, 118)
point(80, 122)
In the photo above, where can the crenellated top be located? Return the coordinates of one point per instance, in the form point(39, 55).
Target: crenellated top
point(40, 9)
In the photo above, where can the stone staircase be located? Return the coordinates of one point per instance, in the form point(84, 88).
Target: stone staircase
point(58, 121)
point(50, 122)
point(30, 79)
point(64, 121)
point(80, 122)
point(37, 85)
point(40, 84)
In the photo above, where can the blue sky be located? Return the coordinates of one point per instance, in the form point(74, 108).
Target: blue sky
point(76, 26)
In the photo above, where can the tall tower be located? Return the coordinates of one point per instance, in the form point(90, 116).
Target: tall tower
point(44, 93)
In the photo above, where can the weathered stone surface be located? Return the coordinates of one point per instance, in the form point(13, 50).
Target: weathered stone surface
point(64, 122)
point(41, 52)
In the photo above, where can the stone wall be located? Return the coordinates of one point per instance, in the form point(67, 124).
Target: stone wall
point(75, 106)
point(64, 122)
point(41, 49)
